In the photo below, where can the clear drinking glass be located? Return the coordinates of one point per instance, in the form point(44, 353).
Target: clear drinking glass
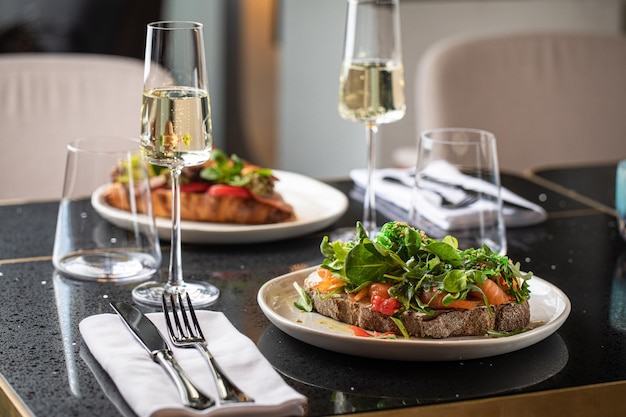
point(88, 245)
point(457, 188)
point(175, 132)
point(371, 84)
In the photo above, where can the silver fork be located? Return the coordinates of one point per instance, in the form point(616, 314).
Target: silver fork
point(470, 198)
point(192, 337)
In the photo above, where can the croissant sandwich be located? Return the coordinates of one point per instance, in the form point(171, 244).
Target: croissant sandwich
point(222, 190)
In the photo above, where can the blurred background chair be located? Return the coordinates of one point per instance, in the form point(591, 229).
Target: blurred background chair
point(549, 97)
point(50, 99)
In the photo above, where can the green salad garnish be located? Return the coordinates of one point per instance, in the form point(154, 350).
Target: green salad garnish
point(220, 169)
point(230, 171)
point(413, 263)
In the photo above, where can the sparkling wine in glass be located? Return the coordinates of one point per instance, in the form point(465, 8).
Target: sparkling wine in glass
point(175, 132)
point(371, 84)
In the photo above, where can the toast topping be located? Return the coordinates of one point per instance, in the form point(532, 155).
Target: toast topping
point(222, 190)
point(404, 271)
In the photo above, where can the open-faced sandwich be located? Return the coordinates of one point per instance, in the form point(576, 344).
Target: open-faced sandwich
point(223, 190)
point(406, 283)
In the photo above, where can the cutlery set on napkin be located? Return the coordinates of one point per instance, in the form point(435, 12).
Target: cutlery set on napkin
point(444, 196)
point(156, 378)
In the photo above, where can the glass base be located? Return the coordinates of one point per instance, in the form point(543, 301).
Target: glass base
point(150, 293)
point(107, 266)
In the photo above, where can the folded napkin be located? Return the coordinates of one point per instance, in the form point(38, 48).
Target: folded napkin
point(149, 391)
point(395, 186)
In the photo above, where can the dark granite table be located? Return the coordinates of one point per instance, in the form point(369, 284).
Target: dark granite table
point(47, 371)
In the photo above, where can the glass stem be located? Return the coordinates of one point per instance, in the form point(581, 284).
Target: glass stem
point(176, 268)
point(369, 203)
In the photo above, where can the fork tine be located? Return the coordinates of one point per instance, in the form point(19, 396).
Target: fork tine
point(166, 312)
point(175, 308)
point(192, 313)
point(469, 199)
point(183, 313)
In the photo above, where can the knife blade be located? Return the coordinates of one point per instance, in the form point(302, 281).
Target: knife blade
point(150, 338)
point(408, 181)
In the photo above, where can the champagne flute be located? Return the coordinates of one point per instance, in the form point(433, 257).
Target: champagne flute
point(371, 84)
point(175, 132)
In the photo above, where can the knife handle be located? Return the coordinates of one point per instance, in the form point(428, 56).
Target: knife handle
point(191, 396)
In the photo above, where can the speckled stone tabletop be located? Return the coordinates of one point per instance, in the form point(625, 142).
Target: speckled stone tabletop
point(45, 362)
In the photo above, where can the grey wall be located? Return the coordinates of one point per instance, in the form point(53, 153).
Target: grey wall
point(315, 141)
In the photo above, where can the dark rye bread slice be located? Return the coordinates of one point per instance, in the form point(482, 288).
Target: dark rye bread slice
point(444, 323)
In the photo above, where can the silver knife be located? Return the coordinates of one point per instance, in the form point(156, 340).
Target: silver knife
point(146, 332)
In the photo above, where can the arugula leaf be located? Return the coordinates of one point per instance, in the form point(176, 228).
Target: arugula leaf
point(304, 303)
point(455, 281)
point(446, 252)
point(361, 233)
point(449, 298)
point(335, 250)
point(335, 256)
point(451, 240)
point(326, 248)
point(496, 333)
point(400, 325)
point(365, 263)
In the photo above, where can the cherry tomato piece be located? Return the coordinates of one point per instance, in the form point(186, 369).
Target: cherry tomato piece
point(380, 288)
point(389, 306)
point(223, 190)
point(194, 187)
point(359, 331)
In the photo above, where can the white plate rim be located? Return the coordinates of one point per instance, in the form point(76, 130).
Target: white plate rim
point(316, 204)
point(413, 349)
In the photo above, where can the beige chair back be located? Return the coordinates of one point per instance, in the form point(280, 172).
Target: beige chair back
point(50, 99)
point(549, 97)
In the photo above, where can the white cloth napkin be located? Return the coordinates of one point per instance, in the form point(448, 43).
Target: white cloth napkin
point(150, 392)
point(399, 193)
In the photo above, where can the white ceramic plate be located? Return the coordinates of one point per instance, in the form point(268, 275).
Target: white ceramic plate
point(316, 205)
point(548, 305)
